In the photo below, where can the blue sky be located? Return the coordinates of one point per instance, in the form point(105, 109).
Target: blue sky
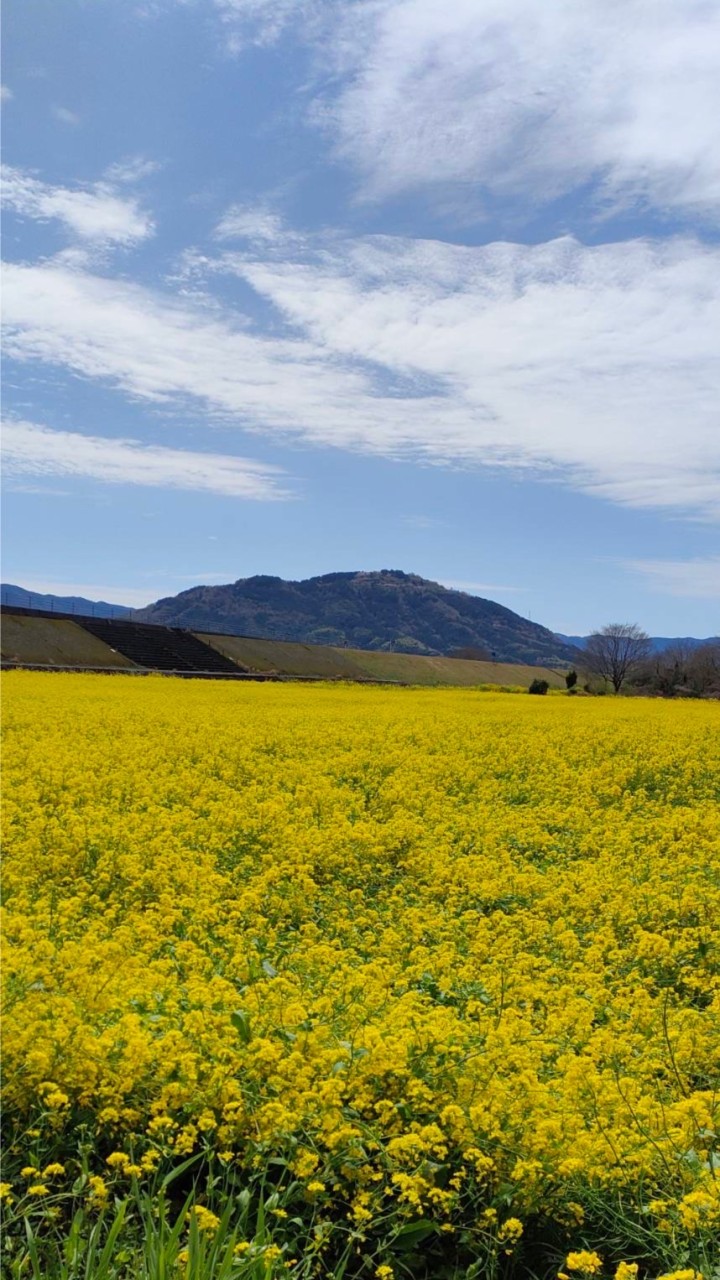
point(294, 287)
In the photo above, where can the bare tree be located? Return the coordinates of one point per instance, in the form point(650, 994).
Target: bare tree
point(615, 651)
point(705, 669)
point(681, 671)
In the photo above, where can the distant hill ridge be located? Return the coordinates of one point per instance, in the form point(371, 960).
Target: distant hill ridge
point(658, 643)
point(257, 611)
point(384, 610)
point(21, 598)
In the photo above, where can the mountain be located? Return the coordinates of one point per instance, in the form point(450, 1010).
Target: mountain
point(388, 610)
point(21, 598)
point(659, 643)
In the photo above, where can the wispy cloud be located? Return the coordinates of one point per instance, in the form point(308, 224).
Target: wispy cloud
point(592, 366)
point(699, 578)
point(130, 170)
point(261, 22)
point(66, 116)
point(162, 348)
point(32, 449)
point(257, 223)
point(6, 93)
point(40, 490)
point(598, 364)
point(512, 97)
point(422, 522)
point(515, 97)
point(93, 214)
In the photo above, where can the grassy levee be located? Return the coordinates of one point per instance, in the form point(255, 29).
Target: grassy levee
point(413, 669)
point(61, 642)
point(292, 658)
point(287, 657)
point(56, 642)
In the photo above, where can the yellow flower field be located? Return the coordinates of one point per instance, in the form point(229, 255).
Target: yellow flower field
point(403, 982)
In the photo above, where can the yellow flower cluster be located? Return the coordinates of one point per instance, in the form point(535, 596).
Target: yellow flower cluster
point(587, 1262)
point(419, 943)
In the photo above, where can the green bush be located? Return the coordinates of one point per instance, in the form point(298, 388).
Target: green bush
point(539, 686)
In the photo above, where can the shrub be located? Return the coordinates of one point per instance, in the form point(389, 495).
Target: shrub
point(539, 686)
point(571, 679)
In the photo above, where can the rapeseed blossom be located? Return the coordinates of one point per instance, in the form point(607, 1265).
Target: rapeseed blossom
point(442, 956)
point(587, 1262)
point(205, 1219)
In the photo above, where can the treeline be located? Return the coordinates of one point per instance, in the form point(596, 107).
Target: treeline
point(680, 672)
point(620, 656)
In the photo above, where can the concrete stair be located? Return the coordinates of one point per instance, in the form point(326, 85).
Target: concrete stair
point(159, 648)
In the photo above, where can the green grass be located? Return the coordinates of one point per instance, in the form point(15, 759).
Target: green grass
point(292, 658)
point(56, 642)
point(219, 1228)
point(286, 657)
point(63, 643)
point(266, 1230)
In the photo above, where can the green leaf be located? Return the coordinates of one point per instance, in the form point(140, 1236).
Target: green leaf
point(175, 1173)
point(413, 1233)
point(100, 1267)
point(241, 1022)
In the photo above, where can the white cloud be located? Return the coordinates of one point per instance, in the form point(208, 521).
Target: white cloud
point(40, 490)
point(95, 214)
point(6, 93)
point(594, 366)
point(422, 522)
point(161, 349)
point(600, 362)
point(699, 579)
point(256, 223)
point(30, 449)
point(516, 97)
point(66, 116)
point(261, 22)
point(130, 170)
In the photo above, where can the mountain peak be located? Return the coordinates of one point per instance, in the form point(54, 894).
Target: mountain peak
point(365, 609)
